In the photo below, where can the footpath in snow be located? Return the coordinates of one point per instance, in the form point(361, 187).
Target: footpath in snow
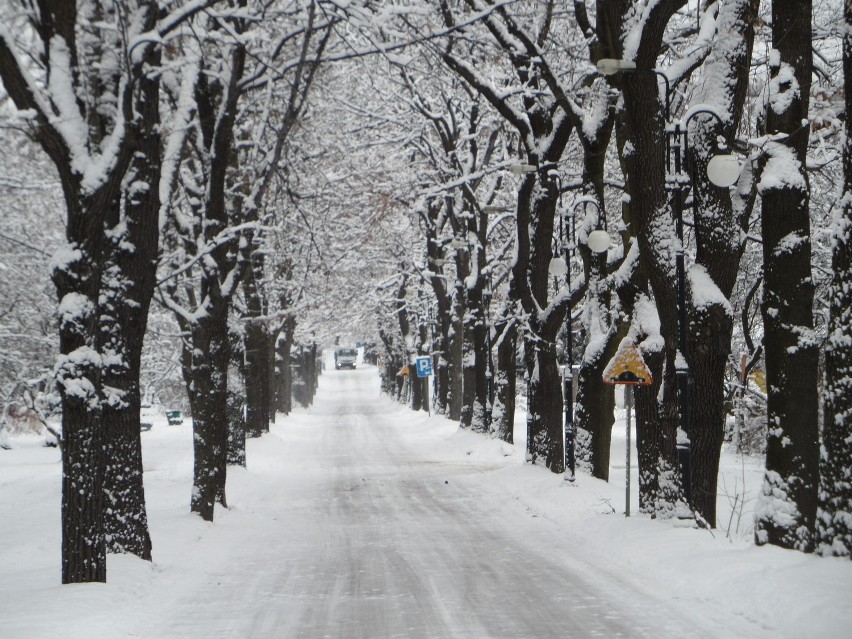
point(361, 519)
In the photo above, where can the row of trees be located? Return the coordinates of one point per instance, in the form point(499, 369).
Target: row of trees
point(168, 128)
point(520, 136)
point(208, 163)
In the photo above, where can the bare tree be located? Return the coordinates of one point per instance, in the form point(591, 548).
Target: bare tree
point(84, 103)
point(233, 154)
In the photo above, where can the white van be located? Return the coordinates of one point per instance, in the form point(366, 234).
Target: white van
point(345, 358)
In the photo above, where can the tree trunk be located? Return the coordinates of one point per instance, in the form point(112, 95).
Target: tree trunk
point(719, 243)
point(207, 389)
point(649, 438)
point(272, 375)
point(544, 415)
point(536, 210)
point(124, 317)
point(442, 370)
point(236, 455)
point(480, 416)
point(835, 496)
point(256, 379)
point(285, 372)
point(256, 354)
point(416, 388)
point(442, 344)
point(79, 382)
point(786, 511)
point(298, 385)
point(315, 371)
point(468, 372)
point(654, 227)
point(79, 268)
point(126, 299)
point(505, 381)
point(710, 345)
point(456, 361)
point(595, 416)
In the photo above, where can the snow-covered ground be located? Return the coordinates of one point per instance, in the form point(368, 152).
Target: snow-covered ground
point(361, 519)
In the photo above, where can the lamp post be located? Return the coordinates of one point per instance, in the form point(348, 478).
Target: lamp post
point(487, 295)
point(598, 241)
point(723, 170)
point(431, 320)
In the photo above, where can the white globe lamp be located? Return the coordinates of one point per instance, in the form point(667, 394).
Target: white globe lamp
point(557, 267)
point(723, 170)
point(598, 241)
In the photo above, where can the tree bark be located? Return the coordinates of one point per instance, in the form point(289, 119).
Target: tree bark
point(80, 388)
point(505, 382)
point(126, 300)
point(285, 370)
point(649, 438)
point(719, 235)
point(256, 343)
point(536, 211)
point(644, 160)
point(455, 398)
point(786, 510)
point(835, 496)
point(205, 362)
point(654, 229)
point(441, 364)
point(595, 416)
point(236, 455)
point(468, 371)
point(133, 242)
point(544, 415)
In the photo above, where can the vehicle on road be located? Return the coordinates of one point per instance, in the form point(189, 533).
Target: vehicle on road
point(345, 358)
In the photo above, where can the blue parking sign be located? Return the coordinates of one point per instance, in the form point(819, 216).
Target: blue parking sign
point(424, 366)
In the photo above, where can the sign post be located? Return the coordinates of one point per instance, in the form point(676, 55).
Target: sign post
point(424, 366)
point(628, 368)
point(424, 371)
point(628, 404)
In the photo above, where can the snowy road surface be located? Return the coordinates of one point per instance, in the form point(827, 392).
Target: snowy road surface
point(360, 519)
point(381, 541)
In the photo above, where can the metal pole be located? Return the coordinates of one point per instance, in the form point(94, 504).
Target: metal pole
point(426, 395)
point(568, 395)
point(684, 446)
point(628, 402)
point(568, 374)
point(489, 295)
point(431, 355)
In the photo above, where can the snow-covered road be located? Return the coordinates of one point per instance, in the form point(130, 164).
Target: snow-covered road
point(367, 536)
point(359, 519)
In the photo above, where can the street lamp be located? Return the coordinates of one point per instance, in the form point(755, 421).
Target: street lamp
point(598, 241)
point(520, 169)
point(487, 296)
point(723, 170)
point(496, 208)
point(560, 265)
point(457, 243)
